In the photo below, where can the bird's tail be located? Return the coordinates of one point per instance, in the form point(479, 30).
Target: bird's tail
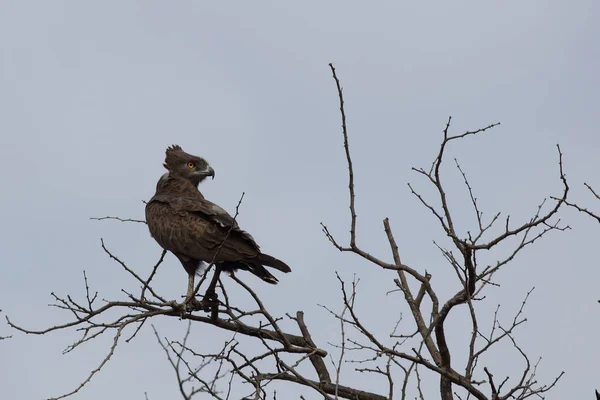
point(269, 261)
point(253, 267)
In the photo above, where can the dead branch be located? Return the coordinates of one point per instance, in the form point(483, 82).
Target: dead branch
point(119, 219)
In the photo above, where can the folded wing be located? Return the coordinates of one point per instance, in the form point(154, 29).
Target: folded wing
point(197, 228)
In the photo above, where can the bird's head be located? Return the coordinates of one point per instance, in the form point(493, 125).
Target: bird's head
point(183, 165)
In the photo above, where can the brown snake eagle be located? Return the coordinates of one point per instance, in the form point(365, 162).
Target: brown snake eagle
point(198, 231)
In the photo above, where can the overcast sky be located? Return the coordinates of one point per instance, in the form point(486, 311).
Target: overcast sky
point(91, 94)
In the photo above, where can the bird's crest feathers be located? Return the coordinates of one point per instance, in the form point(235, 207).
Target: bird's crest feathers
point(174, 156)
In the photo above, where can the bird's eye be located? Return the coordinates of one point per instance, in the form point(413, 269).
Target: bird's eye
point(191, 165)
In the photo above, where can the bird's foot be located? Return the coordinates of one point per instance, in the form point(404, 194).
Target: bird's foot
point(210, 303)
point(207, 304)
point(191, 304)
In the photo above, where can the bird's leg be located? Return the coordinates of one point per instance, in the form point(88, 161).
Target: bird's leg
point(190, 301)
point(211, 294)
point(190, 289)
point(210, 299)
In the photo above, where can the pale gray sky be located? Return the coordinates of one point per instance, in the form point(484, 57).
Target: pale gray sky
point(91, 94)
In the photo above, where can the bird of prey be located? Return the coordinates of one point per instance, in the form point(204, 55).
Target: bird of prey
point(198, 231)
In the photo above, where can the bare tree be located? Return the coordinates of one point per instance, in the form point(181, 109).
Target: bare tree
point(282, 348)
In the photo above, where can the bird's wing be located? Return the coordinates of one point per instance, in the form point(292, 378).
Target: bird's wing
point(213, 212)
point(205, 207)
point(172, 230)
point(198, 228)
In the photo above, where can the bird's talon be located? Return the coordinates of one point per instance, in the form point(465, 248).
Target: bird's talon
point(192, 304)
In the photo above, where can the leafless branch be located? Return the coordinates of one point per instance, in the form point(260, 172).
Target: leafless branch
point(119, 219)
point(583, 209)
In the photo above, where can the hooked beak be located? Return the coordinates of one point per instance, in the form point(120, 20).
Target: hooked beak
point(210, 172)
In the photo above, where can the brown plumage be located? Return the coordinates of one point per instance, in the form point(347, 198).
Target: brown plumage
point(194, 229)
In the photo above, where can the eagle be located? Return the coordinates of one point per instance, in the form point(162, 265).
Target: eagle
point(198, 231)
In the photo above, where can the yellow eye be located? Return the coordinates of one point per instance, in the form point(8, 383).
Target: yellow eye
point(191, 165)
